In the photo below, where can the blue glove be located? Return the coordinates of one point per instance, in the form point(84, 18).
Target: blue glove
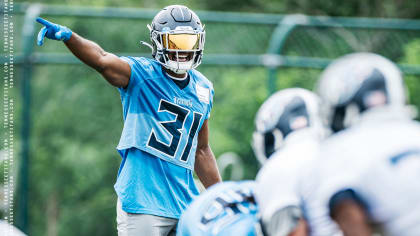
point(52, 31)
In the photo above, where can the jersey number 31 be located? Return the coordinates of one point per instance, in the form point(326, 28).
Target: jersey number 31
point(174, 128)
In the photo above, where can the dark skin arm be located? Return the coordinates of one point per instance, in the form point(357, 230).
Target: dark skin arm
point(352, 218)
point(205, 163)
point(115, 70)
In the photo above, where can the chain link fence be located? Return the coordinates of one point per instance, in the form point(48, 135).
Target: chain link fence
point(75, 118)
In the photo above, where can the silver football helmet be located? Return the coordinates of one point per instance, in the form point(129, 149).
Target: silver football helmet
point(358, 82)
point(177, 37)
point(282, 114)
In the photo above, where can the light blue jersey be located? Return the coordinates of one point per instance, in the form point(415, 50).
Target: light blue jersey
point(159, 117)
point(159, 139)
point(225, 209)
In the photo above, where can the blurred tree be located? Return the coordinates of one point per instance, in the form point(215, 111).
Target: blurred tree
point(370, 8)
point(151, 4)
point(233, 5)
point(77, 117)
point(412, 56)
point(77, 121)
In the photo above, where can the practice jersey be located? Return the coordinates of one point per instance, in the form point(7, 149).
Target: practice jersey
point(226, 208)
point(159, 117)
point(379, 159)
point(150, 185)
point(279, 179)
point(7, 229)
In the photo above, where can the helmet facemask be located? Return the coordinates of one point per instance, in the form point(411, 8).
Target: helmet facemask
point(178, 50)
point(266, 143)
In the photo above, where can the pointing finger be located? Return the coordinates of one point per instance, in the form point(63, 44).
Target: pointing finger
point(44, 22)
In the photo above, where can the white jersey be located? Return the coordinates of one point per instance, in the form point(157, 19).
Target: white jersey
point(277, 182)
point(7, 229)
point(376, 159)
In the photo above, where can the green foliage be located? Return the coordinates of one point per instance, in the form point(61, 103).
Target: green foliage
point(77, 116)
point(374, 8)
point(239, 93)
point(152, 4)
point(412, 56)
point(76, 124)
point(412, 52)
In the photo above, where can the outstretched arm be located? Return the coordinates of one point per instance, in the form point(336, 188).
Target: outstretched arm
point(205, 162)
point(115, 70)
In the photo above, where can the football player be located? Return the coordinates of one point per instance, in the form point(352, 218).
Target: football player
point(367, 172)
point(166, 107)
point(225, 209)
point(288, 133)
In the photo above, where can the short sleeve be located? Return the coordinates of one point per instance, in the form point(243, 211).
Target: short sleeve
point(210, 106)
point(134, 77)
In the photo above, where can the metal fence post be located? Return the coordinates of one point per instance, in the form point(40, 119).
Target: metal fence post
point(231, 159)
point(28, 37)
point(282, 31)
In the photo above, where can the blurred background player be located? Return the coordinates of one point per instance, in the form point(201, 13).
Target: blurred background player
point(225, 209)
point(166, 106)
point(8, 229)
point(288, 133)
point(365, 172)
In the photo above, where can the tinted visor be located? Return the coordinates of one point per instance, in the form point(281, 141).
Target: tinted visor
point(181, 41)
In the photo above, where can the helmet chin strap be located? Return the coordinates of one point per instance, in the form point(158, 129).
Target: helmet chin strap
point(176, 78)
point(178, 71)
